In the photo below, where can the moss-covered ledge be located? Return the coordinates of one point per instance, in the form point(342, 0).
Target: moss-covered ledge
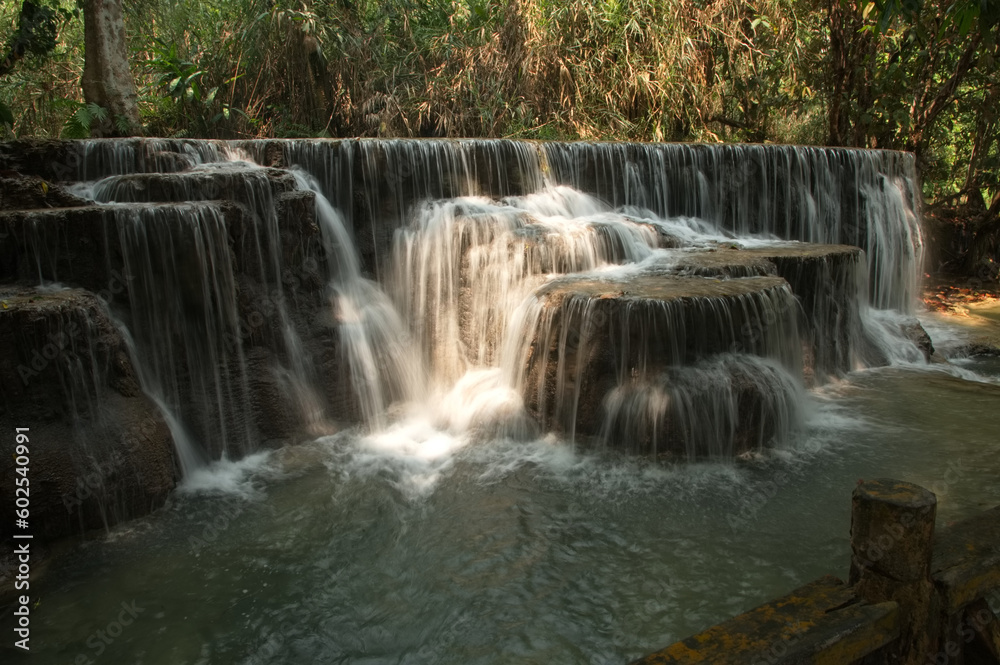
point(966, 563)
point(821, 622)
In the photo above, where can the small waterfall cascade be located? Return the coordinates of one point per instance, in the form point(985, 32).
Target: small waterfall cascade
point(186, 308)
point(865, 198)
point(184, 325)
point(719, 407)
point(615, 357)
point(672, 300)
point(76, 380)
point(383, 367)
point(463, 266)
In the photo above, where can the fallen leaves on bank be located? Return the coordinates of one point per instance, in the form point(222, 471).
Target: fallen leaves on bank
point(950, 298)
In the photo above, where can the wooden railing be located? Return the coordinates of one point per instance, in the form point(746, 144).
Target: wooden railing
point(913, 596)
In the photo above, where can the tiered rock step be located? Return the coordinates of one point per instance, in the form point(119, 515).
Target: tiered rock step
point(785, 259)
point(19, 192)
point(827, 279)
point(501, 244)
point(232, 182)
point(100, 450)
point(83, 247)
point(594, 337)
point(795, 192)
point(372, 182)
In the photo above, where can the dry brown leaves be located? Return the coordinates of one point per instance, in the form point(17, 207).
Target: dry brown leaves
point(953, 299)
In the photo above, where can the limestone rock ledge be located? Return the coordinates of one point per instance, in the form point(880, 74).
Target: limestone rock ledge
point(100, 452)
point(600, 340)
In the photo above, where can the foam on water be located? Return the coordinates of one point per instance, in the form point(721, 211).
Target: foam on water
point(414, 454)
point(959, 370)
point(482, 404)
point(421, 450)
point(242, 477)
point(885, 329)
point(598, 473)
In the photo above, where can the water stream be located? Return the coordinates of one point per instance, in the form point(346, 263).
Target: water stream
point(411, 545)
point(516, 323)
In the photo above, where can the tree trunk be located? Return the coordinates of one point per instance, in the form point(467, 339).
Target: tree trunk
point(838, 74)
point(107, 80)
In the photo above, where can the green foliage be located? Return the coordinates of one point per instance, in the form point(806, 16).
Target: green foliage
point(32, 89)
point(36, 32)
point(6, 116)
point(962, 16)
point(177, 77)
point(186, 102)
point(79, 123)
point(899, 74)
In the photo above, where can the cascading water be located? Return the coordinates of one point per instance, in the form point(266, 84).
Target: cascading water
point(864, 198)
point(543, 277)
point(730, 405)
point(479, 313)
point(184, 321)
point(462, 266)
point(590, 342)
point(383, 368)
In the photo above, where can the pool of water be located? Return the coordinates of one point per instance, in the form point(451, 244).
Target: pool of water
point(416, 547)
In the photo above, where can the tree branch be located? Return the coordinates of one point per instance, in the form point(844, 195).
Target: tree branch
point(946, 93)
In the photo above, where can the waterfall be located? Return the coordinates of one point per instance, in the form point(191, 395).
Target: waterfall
point(261, 257)
point(668, 299)
point(584, 345)
point(720, 408)
point(184, 324)
point(866, 198)
point(383, 368)
point(462, 266)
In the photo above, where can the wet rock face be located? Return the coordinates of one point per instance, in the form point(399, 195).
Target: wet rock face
point(19, 192)
point(596, 338)
point(100, 452)
point(140, 257)
point(62, 245)
point(829, 195)
point(719, 408)
point(232, 184)
point(915, 332)
point(828, 281)
point(57, 160)
point(234, 254)
point(47, 158)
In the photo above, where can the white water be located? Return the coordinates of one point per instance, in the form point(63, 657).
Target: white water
point(460, 332)
point(383, 367)
point(182, 310)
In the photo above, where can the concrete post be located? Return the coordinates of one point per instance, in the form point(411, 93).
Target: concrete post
point(892, 533)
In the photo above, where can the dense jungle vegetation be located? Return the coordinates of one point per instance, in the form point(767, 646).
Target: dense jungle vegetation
point(915, 75)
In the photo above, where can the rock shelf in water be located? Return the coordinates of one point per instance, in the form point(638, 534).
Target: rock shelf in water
point(827, 279)
point(597, 340)
point(211, 291)
point(231, 183)
point(101, 451)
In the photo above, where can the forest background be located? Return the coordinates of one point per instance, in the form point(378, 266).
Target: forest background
point(914, 75)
